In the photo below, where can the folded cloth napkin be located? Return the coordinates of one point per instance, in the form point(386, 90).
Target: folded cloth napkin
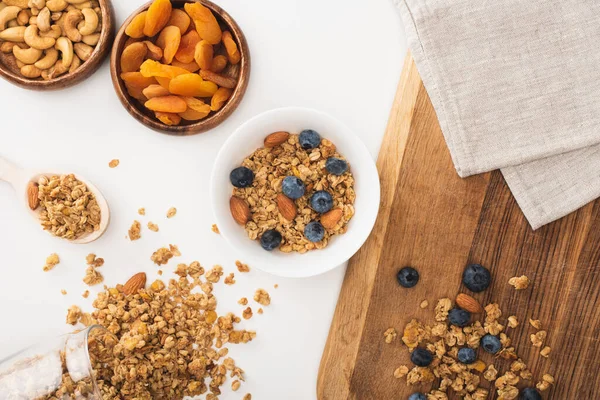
point(516, 85)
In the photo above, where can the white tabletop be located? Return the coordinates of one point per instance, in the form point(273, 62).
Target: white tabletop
point(343, 57)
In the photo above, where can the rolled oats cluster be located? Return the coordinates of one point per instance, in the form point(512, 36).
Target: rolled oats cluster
point(69, 209)
point(263, 207)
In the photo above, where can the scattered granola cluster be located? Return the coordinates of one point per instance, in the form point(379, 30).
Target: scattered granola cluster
point(92, 276)
point(289, 217)
point(163, 255)
point(51, 261)
point(69, 209)
point(519, 282)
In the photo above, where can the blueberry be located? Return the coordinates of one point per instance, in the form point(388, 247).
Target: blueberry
point(530, 394)
point(321, 202)
point(241, 177)
point(314, 231)
point(417, 396)
point(407, 277)
point(421, 357)
point(309, 139)
point(459, 317)
point(336, 166)
point(491, 344)
point(293, 187)
point(467, 355)
point(270, 240)
point(476, 278)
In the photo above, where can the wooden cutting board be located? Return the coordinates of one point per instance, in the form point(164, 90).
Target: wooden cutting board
point(435, 221)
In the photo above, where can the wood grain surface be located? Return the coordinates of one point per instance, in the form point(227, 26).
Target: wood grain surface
point(241, 71)
point(438, 223)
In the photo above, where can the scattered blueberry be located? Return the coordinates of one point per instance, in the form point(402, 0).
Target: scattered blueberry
point(476, 278)
point(407, 277)
point(314, 231)
point(309, 139)
point(459, 317)
point(530, 394)
point(417, 396)
point(336, 166)
point(241, 177)
point(467, 355)
point(421, 357)
point(270, 240)
point(293, 187)
point(321, 202)
point(491, 344)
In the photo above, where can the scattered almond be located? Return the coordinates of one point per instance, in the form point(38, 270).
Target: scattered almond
point(239, 210)
point(276, 138)
point(135, 283)
point(287, 207)
point(468, 303)
point(33, 190)
point(330, 219)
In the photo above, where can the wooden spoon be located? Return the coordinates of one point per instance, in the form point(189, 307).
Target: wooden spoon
point(20, 178)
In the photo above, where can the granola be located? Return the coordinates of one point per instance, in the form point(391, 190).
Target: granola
point(242, 267)
point(69, 209)
point(229, 279)
point(519, 282)
point(262, 297)
point(135, 231)
point(171, 212)
point(113, 163)
point(215, 229)
point(390, 335)
point(142, 211)
point(51, 261)
point(270, 166)
point(152, 226)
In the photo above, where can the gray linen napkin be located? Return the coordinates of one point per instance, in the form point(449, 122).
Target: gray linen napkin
point(516, 85)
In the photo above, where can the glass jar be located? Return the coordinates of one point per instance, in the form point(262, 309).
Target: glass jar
point(58, 369)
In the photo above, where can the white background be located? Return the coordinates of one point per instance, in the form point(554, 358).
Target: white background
point(343, 57)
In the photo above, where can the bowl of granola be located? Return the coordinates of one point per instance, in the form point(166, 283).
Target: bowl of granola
point(295, 192)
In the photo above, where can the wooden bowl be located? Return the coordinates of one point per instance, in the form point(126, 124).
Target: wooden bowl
point(10, 71)
point(145, 116)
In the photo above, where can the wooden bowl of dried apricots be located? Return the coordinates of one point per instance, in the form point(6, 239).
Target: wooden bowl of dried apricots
point(180, 67)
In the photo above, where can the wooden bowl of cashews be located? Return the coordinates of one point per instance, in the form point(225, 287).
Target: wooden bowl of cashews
point(53, 44)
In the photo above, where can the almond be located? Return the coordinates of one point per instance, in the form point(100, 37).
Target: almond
point(330, 219)
point(276, 138)
point(239, 210)
point(135, 283)
point(32, 195)
point(468, 303)
point(287, 207)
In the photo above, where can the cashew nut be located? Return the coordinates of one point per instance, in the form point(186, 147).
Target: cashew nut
point(18, 3)
point(20, 64)
point(65, 46)
point(56, 5)
point(48, 60)
point(70, 7)
point(6, 47)
point(92, 39)
point(23, 17)
point(81, 6)
point(58, 69)
point(8, 14)
point(39, 4)
point(34, 11)
point(15, 34)
point(43, 20)
point(28, 56)
point(70, 26)
point(33, 39)
point(75, 64)
point(56, 16)
point(55, 32)
point(31, 71)
point(12, 24)
point(33, 20)
point(83, 51)
point(2, 6)
point(90, 23)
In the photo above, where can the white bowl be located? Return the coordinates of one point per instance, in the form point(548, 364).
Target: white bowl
point(249, 137)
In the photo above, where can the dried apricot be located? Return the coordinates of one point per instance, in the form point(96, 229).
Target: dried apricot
point(158, 15)
point(223, 81)
point(187, 47)
point(193, 115)
point(169, 104)
point(206, 24)
point(155, 91)
point(136, 93)
point(164, 82)
point(219, 98)
point(168, 40)
point(168, 118)
point(232, 50)
point(154, 68)
point(204, 54)
point(196, 104)
point(135, 29)
point(136, 79)
point(192, 66)
point(154, 52)
point(192, 85)
point(133, 56)
point(219, 63)
point(180, 19)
